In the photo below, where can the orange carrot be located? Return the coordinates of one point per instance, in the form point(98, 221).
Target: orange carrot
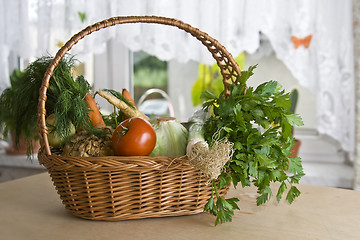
point(127, 95)
point(94, 113)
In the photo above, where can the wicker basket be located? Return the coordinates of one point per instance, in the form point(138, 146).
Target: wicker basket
point(117, 188)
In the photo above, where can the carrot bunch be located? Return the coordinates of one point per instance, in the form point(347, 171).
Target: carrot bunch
point(94, 113)
point(127, 95)
point(124, 102)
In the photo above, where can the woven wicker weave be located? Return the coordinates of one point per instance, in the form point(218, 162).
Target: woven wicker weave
point(117, 188)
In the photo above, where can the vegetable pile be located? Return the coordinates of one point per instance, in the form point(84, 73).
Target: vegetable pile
point(241, 136)
point(125, 132)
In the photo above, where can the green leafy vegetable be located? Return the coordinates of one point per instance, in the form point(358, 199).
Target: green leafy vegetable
point(64, 98)
point(223, 209)
point(259, 124)
point(8, 100)
point(65, 95)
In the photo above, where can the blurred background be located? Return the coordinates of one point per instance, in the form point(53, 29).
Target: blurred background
point(308, 46)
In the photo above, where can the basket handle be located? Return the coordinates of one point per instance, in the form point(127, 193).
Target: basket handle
point(227, 64)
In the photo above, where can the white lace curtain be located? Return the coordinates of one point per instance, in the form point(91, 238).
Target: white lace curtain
point(313, 39)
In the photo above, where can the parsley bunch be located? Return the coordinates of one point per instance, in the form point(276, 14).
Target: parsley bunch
point(258, 122)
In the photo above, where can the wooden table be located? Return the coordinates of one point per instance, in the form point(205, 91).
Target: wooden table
point(31, 209)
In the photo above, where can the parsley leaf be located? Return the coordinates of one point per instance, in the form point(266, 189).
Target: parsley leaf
point(294, 119)
point(223, 209)
point(281, 191)
point(292, 194)
point(265, 195)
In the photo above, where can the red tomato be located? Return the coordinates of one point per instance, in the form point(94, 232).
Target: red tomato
point(134, 137)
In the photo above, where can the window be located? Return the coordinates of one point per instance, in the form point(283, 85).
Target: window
point(150, 79)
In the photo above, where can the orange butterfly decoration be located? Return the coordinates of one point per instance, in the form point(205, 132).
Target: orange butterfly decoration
point(301, 41)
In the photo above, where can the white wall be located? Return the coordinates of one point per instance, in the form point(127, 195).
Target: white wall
point(112, 70)
point(181, 78)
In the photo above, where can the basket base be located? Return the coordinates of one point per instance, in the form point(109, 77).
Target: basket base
point(182, 205)
point(118, 188)
point(136, 216)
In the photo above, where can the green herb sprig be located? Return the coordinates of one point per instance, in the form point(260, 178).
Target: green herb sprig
point(258, 122)
point(18, 103)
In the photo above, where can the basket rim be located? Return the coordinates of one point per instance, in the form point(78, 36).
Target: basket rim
point(107, 163)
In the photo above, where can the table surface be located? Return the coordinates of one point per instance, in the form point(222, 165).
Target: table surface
point(31, 209)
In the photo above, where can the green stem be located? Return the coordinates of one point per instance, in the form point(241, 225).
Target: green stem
point(214, 187)
point(116, 121)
